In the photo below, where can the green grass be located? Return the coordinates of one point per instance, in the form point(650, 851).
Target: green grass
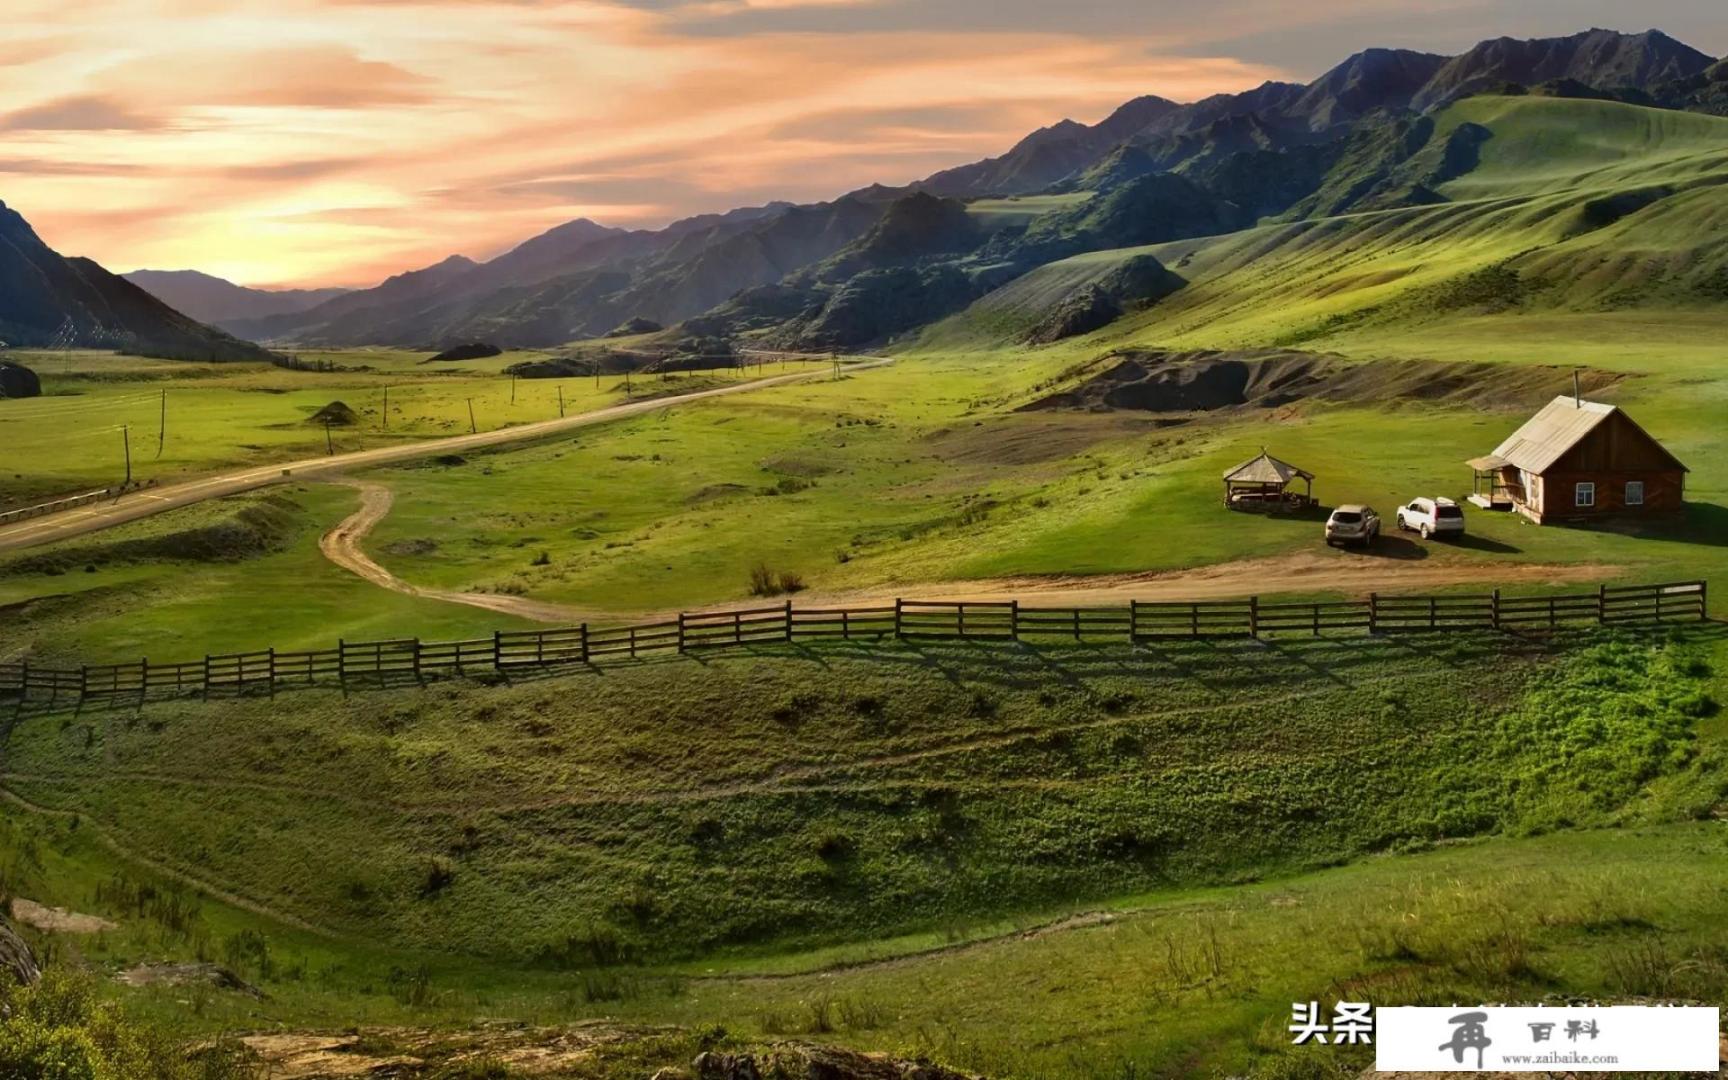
point(852, 857)
point(814, 796)
point(232, 575)
point(222, 415)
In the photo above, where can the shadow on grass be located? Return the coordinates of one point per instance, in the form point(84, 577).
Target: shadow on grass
point(1391, 547)
point(1475, 542)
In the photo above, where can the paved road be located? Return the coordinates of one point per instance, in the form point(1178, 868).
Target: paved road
point(139, 504)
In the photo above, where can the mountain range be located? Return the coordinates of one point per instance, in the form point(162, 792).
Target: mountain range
point(212, 299)
point(882, 261)
point(50, 301)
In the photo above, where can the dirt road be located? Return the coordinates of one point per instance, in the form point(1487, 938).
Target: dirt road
point(140, 504)
point(1300, 571)
point(341, 546)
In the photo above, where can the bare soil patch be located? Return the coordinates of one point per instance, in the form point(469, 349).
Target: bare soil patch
point(1157, 381)
point(168, 974)
point(57, 920)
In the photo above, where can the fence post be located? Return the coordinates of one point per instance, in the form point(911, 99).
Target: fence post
point(899, 604)
point(271, 674)
point(960, 609)
point(1314, 618)
point(680, 631)
point(1433, 611)
point(1494, 608)
point(497, 650)
point(1601, 604)
point(1194, 620)
point(1373, 613)
point(417, 660)
point(144, 677)
point(206, 675)
point(1133, 619)
point(1659, 592)
point(1703, 601)
point(83, 681)
point(1014, 619)
point(1254, 616)
point(584, 643)
point(788, 620)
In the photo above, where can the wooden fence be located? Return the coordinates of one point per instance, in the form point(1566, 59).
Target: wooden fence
point(410, 659)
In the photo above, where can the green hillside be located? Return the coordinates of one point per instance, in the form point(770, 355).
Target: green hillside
point(1573, 206)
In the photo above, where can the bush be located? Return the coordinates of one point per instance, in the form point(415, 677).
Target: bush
point(765, 581)
point(57, 1030)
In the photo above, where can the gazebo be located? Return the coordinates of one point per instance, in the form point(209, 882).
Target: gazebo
point(1263, 483)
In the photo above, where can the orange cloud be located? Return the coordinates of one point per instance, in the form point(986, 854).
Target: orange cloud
point(339, 141)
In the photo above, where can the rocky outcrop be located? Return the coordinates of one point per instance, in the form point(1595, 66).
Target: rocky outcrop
point(335, 414)
point(474, 350)
point(18, 381)
point(632, 327)
point(17, 962)
point(1087, 310)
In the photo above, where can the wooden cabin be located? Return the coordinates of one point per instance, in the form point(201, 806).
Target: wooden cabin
point(1263, 483)
point(1578, 460)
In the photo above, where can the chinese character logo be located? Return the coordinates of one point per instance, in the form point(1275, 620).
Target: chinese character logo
point(1471, 1032)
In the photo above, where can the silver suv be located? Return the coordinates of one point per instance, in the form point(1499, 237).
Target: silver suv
point(1353, 523)
point(1432, 517)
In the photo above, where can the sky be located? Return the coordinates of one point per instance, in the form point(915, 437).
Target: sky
point(335, 142)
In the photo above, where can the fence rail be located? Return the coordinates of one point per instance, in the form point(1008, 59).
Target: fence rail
point(518, 650)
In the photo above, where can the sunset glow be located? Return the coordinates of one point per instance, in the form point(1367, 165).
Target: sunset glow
point(337, 142)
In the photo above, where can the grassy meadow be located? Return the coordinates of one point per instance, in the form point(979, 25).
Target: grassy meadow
point(69, 440)
point(1026, 861)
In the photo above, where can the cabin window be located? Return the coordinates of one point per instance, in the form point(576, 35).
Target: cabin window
point(1634, 493)
point(1584, 494)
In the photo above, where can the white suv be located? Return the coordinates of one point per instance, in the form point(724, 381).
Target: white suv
point(1432, 517)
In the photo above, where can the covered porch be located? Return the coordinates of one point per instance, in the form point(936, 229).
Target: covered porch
point(1494, 483)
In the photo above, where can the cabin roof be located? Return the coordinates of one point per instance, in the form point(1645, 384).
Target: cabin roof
point(1263, 468)
point(1559, 426)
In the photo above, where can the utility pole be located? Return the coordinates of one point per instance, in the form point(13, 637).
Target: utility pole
point(162, 431)
point(126, 442)
point(386, 409)
point(329, 446)
point(560, 401)
point(471, 427)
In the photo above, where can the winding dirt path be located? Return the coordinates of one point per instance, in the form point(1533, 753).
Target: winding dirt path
point(341, 546)
point(1297, 571)
point(139, 504)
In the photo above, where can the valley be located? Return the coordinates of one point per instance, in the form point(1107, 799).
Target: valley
point(1016, 380)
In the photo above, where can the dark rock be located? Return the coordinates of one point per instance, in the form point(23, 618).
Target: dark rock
point(1086, 310)
point(474, 350)
point(335, 414)
point(18, 381)
point(17, 962)
point(632, 327)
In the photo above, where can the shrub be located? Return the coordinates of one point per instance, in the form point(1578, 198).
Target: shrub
point(764, 581)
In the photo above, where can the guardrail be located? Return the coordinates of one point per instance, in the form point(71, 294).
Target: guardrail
point(410, 659)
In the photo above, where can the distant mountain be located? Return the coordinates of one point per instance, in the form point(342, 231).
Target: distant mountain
point(1598, 58)
point(1280, 116)
point(50, 301)
point(877, 262)
point(216, 300)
